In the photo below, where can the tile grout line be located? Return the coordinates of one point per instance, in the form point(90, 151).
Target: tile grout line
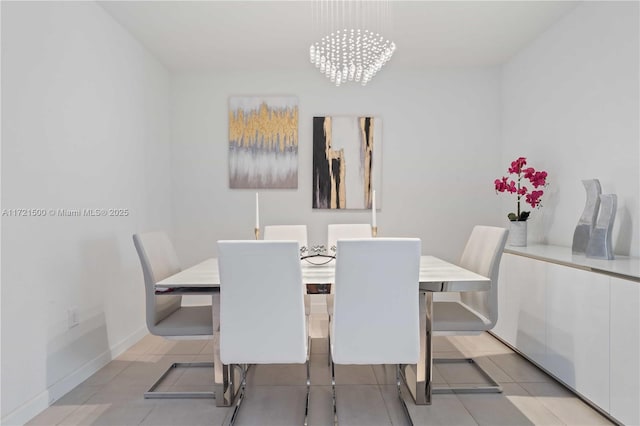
point(386, 405)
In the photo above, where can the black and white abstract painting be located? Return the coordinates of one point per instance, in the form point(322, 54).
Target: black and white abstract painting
point(347, 159)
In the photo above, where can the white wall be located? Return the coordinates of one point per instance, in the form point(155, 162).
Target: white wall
point(85, 125)
point(441, 133)
point(570, 104)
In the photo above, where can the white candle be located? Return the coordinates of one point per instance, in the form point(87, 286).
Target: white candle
point(257, 212)
point(373, 209)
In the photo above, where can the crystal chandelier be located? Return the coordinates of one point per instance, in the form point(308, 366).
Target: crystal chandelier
point(350, 51)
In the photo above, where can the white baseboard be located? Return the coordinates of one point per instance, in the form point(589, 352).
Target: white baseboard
point(39, 403)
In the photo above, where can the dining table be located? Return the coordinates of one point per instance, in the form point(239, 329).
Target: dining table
point(436, 276)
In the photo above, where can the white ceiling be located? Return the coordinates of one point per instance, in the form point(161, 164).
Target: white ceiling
point(210, 35)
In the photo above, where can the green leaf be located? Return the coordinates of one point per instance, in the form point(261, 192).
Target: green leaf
point(512, 217)
point(524, 216)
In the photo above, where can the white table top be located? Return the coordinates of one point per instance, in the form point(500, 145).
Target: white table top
point(435, 275)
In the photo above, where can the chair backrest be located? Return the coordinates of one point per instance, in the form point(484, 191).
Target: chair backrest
point(376, 312)
point(158, 259)
point(482, 255)
point(341, 231)
point(287, 232)
point(262, 318)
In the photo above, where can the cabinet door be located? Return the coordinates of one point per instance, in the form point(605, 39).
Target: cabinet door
point(578, 331)
point(526, 305)
point(625, 351)
point(521, 305)
point(504, 324)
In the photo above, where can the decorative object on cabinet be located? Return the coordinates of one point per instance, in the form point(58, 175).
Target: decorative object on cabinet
point(518, 233)
point(532, 196)
point(263, 142)
point(347, 159)
point(600, 242)
point(588, 219)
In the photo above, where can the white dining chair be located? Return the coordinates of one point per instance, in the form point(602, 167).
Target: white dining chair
point(476, 311)
point(165, 315)
point(262, 318)
point(342, 231)
point(376, 311)
point(287, 232)
point(290, 232)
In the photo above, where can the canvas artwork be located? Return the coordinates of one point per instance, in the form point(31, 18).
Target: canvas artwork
point(347, 159)
point(263, 142)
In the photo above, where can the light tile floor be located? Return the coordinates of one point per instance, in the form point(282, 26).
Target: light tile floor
point(275, 396)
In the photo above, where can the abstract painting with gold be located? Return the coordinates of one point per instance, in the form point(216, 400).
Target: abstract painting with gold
point(347, 159)
point(263, 142)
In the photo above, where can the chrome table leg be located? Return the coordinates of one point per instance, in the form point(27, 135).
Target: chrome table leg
point(418, 377)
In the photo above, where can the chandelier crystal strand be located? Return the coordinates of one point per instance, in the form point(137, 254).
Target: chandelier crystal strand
point(350, 54)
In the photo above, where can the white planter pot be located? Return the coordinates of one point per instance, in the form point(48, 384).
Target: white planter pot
point(517, 233)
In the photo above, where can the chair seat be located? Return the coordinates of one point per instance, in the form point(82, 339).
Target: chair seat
point(187, 321)
point(456, 316)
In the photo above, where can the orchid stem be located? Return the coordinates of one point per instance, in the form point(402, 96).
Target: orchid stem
point(519, 177)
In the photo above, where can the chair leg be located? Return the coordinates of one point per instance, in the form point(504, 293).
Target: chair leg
point(152, 393)
point(329, 342)
point(333, 388)
point(232, 415)
point(306, 406)
point(494, 387)
point(399, 385)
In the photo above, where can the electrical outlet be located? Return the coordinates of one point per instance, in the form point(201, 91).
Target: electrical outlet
point(72, 317)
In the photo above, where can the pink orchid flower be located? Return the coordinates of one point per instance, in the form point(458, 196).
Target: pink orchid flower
point(538, 179)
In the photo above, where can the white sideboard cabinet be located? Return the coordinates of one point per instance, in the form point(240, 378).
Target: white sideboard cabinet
point(625, 351)
point(577, 318)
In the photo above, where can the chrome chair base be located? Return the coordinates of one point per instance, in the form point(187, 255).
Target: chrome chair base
point(398, 384)
point(233, 413)
point(152, 393)
point(493, 387)
point(333, 389)
point(329, 342)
